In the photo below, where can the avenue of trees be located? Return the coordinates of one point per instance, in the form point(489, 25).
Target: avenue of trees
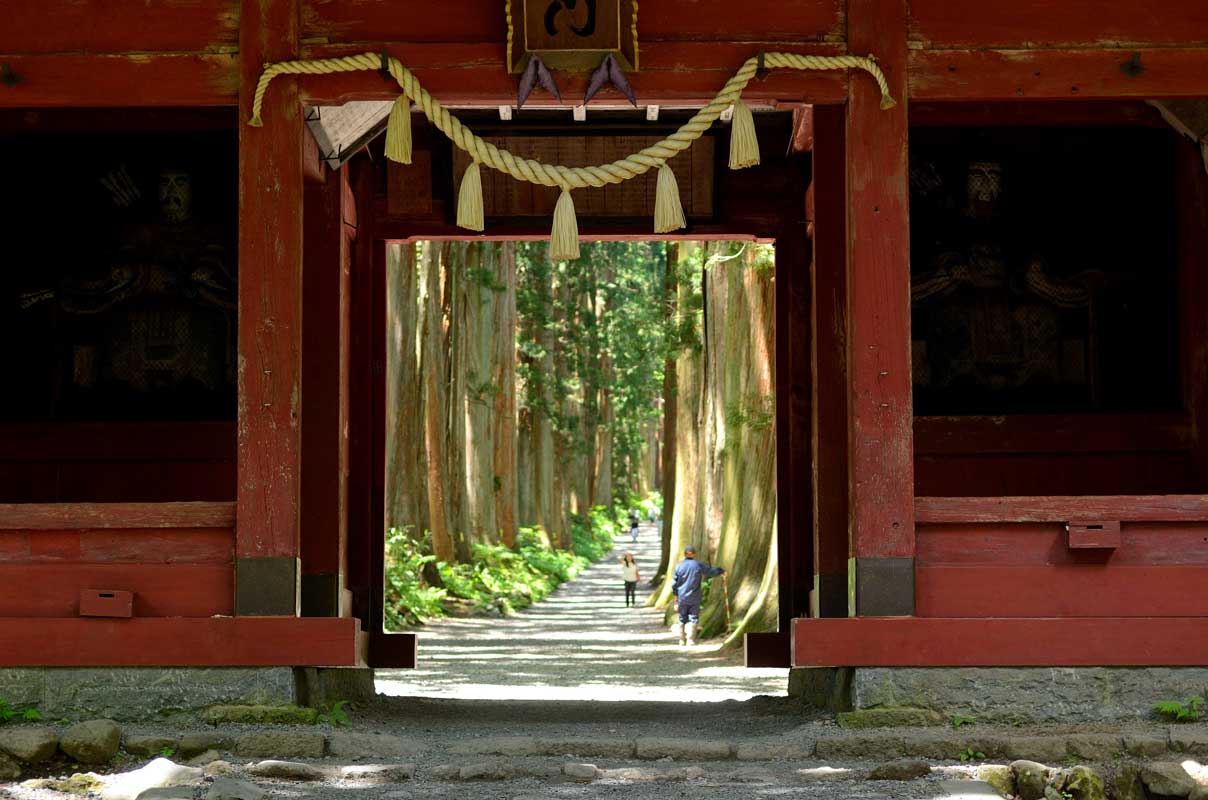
point(524, 393)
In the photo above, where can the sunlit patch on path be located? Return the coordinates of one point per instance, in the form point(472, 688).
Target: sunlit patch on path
point(581, 643)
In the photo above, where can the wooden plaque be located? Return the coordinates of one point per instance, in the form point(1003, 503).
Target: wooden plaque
point(572, 35)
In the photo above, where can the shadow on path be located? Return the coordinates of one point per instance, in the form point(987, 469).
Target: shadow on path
point(580, 643)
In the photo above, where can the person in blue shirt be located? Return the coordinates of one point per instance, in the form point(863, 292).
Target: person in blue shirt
point(688, 576)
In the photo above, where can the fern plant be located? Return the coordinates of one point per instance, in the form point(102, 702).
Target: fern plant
point(1187, 711)
point(10, 712)
point(969, 754)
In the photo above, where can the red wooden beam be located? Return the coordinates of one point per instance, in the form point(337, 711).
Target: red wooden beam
point(180, 642)
point(1140, 508)
point(679, 73)
point(1052, 433)
point(658, 21)
point(1046, 544)
point(270, 291)
point(1049, 113)
point(79, 516)
point(120, 545)
point(131, 80)
point(878, 220)
point(160, 590)
point(1072, 23)
point(96, 26)
point(969, 642)
point(1078, 74)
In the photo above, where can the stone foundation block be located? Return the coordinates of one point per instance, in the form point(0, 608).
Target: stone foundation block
point(686, 749)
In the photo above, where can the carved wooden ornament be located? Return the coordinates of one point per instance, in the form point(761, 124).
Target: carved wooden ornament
point(572, 35)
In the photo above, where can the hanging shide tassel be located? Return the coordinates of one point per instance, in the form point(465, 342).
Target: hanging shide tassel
point(398, 131)
point(668, 211)
point(564, 238)
point(744, 146)
point(469, 200)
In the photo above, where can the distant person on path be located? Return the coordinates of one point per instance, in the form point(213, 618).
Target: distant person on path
point(631, 576)
point(633, 526)
point(688, 576)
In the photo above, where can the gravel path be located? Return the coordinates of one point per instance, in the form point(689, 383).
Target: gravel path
point(581, 643)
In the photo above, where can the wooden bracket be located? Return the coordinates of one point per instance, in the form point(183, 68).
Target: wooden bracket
point(106, 603)
point(1094, 535)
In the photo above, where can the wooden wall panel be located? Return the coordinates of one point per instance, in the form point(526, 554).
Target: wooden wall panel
point(1075, 590)
point(1045, 544)
point(175, 546)
point(139, 80)
point(1070, 23)
point(1138, 508)
point(1053, 642)
point(658, 20)
point(103, 26)
point(160, 590)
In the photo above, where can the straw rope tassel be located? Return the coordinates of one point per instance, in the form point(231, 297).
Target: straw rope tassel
point(744, 145)
point(668, 211)
point(564, 238)
point(469, 200)
point(398, 131)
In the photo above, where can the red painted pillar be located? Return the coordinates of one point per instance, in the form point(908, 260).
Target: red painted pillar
point(270, 319)
point(881, 516)
point(828, 302)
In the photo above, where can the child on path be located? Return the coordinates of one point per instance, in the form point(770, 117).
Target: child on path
point(631, 576)
point(688, 576)
point(633, 526)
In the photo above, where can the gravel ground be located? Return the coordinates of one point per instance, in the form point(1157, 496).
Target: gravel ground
point(581, 643)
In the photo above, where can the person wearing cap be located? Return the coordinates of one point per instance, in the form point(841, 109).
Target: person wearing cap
point(689, 574)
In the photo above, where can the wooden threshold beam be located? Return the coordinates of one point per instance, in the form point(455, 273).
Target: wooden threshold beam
point(181, 642)
point(126, 516)
point(1124, 508)
point(125, 80)
point(999, 642)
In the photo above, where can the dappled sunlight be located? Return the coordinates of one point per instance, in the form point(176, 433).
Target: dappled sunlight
point(581, 643)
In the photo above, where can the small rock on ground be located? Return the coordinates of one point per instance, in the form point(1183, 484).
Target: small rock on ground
point(1030, 779)
point(208, 757)
point(8, 768)
point(93, 742)
point(378, 773)
point(904, 769)
point(147, 745)
point(580, 771)
point(999, 776)
point(29, 744)
point(228, 789)
point(689, 749)
point(288, 744)
point(287, 770)
point(193, 744)
point(167, 793)
point(216, 769)
point(1167, 778)
point(347, 744)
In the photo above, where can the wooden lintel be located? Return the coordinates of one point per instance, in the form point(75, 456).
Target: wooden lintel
point(130, 80)
point(71, 26)
point(125, 516)
point(1023, 642)
point(1139, 508)
point(473, 74)
point(180, 642)
point(1078, 74)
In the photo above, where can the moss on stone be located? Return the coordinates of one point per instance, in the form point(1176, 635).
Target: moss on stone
point(998, 776)
point(282, 715)
point(890, 717)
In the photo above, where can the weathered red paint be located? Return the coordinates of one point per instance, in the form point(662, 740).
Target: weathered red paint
point(943, 24)
point(1075, 74)
point(184, 642)
point(1018, 544)
point(133, 80)
point(659, 21)
point(155, 545)
point(1151, 508)
point(78, 516)
point(973, 642)
point(270, 292)
point(882, 489)
point(98, 26)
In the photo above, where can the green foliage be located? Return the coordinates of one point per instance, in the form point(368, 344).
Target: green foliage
point(11, 712)
point(167, 752)
point(497, 580)
point(1187, 711)
point(969, 754)
point(958, 720)
point(335, 715)
point(409, 600)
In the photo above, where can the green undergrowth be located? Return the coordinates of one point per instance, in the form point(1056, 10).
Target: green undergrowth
point(498, 580)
